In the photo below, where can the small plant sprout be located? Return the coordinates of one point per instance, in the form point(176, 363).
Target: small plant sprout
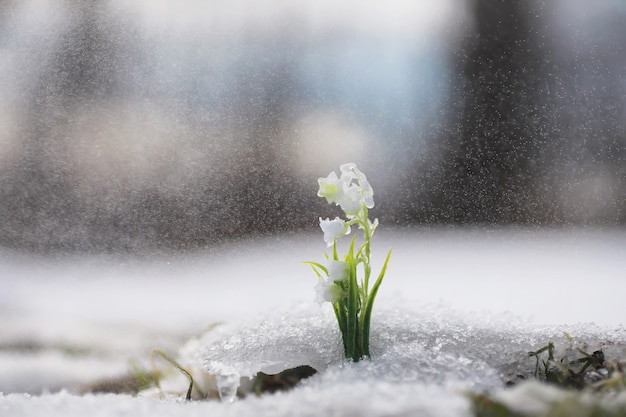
point(345, 281)
point(176, 365)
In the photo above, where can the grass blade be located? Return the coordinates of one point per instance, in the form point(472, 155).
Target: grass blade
point(369, 305)
point(173, 363)
point(316, 266)
point(352, 319)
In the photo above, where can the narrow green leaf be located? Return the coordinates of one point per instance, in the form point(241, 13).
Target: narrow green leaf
point(175, 365)
point(315, 265)
point(352, 319)
point(369, 305)
point(341, 320)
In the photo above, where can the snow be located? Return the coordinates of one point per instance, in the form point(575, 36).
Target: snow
point(458, 311)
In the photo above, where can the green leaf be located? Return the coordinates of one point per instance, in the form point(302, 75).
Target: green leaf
point(352, 319)
point(176, 365)
point(341, 320)
point(315, 265)
point(369, 305)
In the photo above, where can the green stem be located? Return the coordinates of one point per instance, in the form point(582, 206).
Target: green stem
point(341, 320)
point(366, 314)
point(352, 324)
point(173, 363)
point(365, 254)
point(367, 237)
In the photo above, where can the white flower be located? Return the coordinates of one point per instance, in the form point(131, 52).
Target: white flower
point(333, 229)
point(349, 172)
point(327, 290)
point(350, 191)
point(338, 271)
point(351, 201)
point(331, 188)
point(356, 180)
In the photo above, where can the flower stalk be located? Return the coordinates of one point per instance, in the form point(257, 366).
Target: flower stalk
point(339, 283)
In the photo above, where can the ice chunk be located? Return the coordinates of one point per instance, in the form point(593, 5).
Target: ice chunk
point(227, 384)
point(302, 335)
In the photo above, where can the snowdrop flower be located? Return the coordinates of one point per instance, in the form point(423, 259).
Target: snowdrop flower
point(333, 229)
point(338, 271)
point(351, 201)
point(349, 191)
point(362, 188)
point(349, 172)
point(331, 188)
point(327, 291)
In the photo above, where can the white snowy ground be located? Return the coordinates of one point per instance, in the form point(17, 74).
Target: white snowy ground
point(458, 310)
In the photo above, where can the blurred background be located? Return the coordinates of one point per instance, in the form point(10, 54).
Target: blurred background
point(153, 124)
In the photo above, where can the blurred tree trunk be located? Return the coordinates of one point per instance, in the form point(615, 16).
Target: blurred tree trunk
point(265, 195)
point(490, 165)
point(39, 202)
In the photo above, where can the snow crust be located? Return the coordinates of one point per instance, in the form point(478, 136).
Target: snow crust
point(457, 312)
point(424, 359)
point(432, 345)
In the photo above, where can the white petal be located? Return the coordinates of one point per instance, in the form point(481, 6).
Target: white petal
point(338, 271)
point(367, 194)
point(333, 229)
point(348, 172)
point(326, 291)
point(330, 187)
point(351, 201)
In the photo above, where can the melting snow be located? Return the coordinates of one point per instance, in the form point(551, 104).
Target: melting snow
point(426, 352)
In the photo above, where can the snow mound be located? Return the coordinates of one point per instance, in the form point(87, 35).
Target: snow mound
point(282, 340)
point(432, 346)
point(424, 361)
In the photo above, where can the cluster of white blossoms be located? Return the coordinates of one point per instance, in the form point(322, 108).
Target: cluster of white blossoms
point(350, 191)
point(354, 194)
